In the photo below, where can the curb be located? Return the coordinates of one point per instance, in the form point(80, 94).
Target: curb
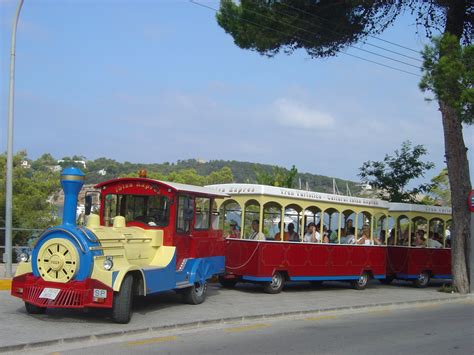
point(5, 284)
point(216, 321)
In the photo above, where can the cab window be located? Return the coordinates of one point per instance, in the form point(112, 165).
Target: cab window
point(152, 210)
point(203, 210)
point(185, 213)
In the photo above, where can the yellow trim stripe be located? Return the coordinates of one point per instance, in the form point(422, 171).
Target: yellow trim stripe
point(152, 340)
point(247, 328)
point(320, 318)
point(72, 177)
point(5, 285)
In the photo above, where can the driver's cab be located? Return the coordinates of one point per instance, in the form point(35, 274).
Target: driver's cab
point(187, 214)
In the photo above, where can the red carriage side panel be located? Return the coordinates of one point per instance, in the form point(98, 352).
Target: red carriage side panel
point(258, 261)
point(409, 262)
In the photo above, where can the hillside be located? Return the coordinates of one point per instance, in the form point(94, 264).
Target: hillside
point(243, 172)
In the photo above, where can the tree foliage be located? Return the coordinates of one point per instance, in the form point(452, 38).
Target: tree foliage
point(449, 75)
point(277, 177)
point(440, 192)
point(32, 189)
point(191, 177)
point(392, 175)
point(322, 27)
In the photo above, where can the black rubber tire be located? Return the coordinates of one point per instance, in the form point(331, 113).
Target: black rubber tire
point(122, 303)
point(195, 294)
point(361, 282)
point(227, 283)
point(387, 280)
point(276, 285)
point(422, 280)
point(32, 309)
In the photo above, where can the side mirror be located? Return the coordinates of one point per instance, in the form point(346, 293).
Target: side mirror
point(88, 204)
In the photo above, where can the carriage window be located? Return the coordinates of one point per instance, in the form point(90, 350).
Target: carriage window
point(185, 213)
point(203, 209)
point(151, 210)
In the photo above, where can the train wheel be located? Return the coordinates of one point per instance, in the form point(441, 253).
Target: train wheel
point(195, 294)
point(32, 309)
point(227, 283)
point(122, 304)
point(276, 285)
point(361, 282)
point(422, 280)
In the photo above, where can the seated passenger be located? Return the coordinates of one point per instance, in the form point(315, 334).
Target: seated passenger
point(312, 235)
point(333, 236)
point(420, 239)
point(256, 235)
point(381, 239)
point(433, 243)
point(350, 237)
point(278, 237)
point(234, 230)
point(365, 239)
point(348, 226)
point(325, 235)
point(292, 235)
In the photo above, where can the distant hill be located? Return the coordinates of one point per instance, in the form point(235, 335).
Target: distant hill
point(243, 172)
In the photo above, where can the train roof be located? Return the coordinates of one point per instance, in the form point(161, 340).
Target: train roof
point(410, 207)
point(177, 187)
point(264, 190)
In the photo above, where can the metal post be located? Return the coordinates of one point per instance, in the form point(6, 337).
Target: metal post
point(9, 177)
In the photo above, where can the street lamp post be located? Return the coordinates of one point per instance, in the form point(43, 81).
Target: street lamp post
point(9, 177)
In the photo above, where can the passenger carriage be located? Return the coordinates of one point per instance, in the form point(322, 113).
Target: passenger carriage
point(150, 236)
point(422, 259)
point(274, 261)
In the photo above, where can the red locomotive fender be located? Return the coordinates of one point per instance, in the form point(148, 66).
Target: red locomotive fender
point(74, 294)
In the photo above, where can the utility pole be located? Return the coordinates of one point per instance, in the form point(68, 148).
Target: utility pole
point(9, 177)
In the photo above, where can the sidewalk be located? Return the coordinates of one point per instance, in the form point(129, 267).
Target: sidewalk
point(19, 330)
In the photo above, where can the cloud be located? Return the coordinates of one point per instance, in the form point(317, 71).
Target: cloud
point(290, 113)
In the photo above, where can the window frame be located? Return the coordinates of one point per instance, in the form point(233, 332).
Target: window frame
point(205, 228)
point(189, 199)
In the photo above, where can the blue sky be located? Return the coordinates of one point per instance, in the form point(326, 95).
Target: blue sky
point(155, 81)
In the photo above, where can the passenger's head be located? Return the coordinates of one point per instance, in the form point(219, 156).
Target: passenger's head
point(349, 224)
point(291, 227)
point(311, 226)
point(420, 234)
point(255, 225)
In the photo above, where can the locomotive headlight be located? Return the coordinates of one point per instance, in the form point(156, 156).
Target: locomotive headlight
point(24, 257)
point(108, 263)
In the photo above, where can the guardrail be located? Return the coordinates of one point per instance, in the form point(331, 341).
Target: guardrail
point(26, 234)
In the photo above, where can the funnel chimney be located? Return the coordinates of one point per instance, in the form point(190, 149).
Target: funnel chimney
point(72, 180)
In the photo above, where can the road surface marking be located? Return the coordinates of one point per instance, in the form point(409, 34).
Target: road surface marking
point(380, 312)
point(152, 340)
point(247, 328)
point(428, 306)
point(320, 318)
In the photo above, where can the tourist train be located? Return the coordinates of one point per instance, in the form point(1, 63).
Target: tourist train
point(151, 236)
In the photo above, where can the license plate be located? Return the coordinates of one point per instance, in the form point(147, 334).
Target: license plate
point(98, 293)
point(49, 293)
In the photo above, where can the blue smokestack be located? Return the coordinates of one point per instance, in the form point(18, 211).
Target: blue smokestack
point(72, 180)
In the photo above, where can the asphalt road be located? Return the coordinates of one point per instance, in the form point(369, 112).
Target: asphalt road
point(425, 329)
